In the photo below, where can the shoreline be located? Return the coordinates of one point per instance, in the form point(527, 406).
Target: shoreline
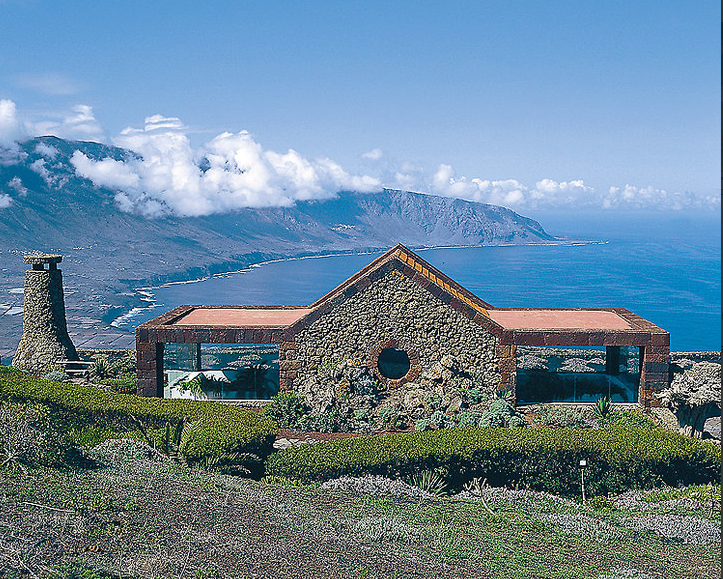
point(145, 293)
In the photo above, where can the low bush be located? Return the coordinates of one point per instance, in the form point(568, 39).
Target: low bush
point(331, 421)
point(601, 504)
point(702, 493)
point(219, 428)
point(560, 416)
point(27, 438)
point(57, 375)
point(124, 384)
point(602, 407)
point(634, 418)
point(537, 458)
point(429, 481)
point(387, 418)
point(101, 369)
point(501, 413)
point(286, 409)
point(439, 419)
point(465, 419)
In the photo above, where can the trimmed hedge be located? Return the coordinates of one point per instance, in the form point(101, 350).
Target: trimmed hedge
point(220, 428)
point(538, 458)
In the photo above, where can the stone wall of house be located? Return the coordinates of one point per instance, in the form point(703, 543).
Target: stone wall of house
point(448, 352)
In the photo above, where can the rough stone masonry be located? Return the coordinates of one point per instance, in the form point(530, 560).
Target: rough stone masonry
point(45, 333)
point(443, 345)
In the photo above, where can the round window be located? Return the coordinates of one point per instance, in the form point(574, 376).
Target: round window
point(393, 363)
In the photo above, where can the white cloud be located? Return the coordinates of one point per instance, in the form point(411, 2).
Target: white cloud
point(546, 193)
point(634, 197)
point(50, 176)
point(50, 83)
point(77, 124)
point(17, 184)
point(231, 171)
point(5, 200)
point(168, 175)
point(106, 173)
point(46, 150)
point(40, 168)
point(11, 128)
point(373, 155)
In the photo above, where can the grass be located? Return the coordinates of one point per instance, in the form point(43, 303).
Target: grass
point(158, 520)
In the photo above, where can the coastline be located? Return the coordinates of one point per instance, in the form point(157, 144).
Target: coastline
point(145, 293)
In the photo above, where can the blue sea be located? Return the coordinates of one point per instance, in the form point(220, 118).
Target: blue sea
point(664, 267)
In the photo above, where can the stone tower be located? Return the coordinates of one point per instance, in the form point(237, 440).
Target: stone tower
point(45, 333)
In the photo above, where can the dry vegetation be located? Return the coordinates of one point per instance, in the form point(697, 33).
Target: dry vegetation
point(139, 515)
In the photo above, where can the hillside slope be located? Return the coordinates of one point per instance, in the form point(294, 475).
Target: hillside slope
point(109, 251)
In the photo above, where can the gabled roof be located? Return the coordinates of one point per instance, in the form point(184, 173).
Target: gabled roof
point(404, 260)
point(407, 257)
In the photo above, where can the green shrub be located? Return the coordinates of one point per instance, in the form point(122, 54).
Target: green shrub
point(57, 375)
point(331, 421)
point(388, 417)
point(465, 419)
point(560, 416)
point(281, 481)
point(286, 409)
point(539, 458)
point(423, 424)
point(361, 421)
point(100, 369)
point(439, 419)
point(475, 395)
point(601, 504)
point(90, 435)
point(702, 493)
point(433, 402)
point(365, 385)
point(123, 384)
point(27, 436)
point(602, 407)
point(633, 418)
point(220, 428)
point(126, 365)
point(501, 413)
point(429, 481)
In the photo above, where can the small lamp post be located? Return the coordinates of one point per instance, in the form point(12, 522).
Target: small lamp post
point(583, 466)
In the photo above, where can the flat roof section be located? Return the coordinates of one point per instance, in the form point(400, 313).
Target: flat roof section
point(241, 317)
point(559, 320)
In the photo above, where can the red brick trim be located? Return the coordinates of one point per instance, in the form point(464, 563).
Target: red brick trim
point(415, 366)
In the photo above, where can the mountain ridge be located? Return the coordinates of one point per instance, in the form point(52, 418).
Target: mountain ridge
point(109, 252)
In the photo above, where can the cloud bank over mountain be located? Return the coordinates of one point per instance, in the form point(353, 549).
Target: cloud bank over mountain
point(165, 174)
point(231, 171)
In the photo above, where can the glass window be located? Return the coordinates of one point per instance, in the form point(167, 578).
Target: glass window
point(221, 371)
point(581, 375)
point(393, 363)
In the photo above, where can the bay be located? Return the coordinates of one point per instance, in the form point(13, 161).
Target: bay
point(665, 267)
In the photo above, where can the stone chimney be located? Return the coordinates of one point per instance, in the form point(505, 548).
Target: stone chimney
point(45, 333)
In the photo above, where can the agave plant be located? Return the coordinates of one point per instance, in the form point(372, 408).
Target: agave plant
point(429, 481)
point(100, 369)
point(238, 463)
point(602, 407)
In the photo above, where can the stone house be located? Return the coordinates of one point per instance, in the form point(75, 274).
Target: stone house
point(404, 326)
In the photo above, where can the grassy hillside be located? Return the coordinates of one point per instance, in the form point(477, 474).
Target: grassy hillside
point(142, 518)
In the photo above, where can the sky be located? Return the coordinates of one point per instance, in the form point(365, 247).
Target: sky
point(533, 105)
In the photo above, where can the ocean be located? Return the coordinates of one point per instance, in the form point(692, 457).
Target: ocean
point(665, 267)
